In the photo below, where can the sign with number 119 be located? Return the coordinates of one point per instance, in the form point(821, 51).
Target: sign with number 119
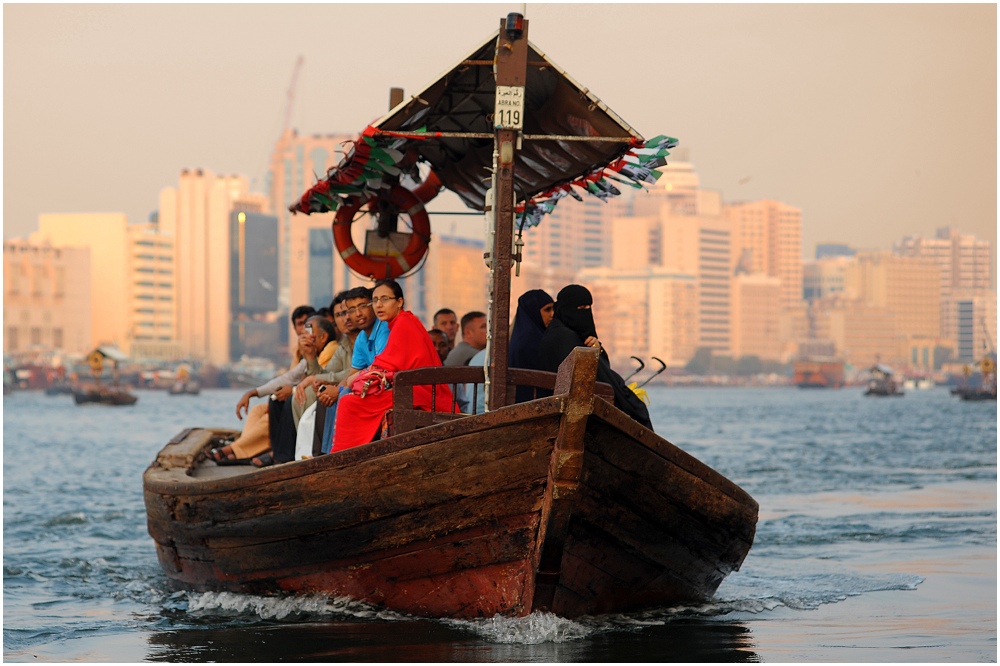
point(509, 110)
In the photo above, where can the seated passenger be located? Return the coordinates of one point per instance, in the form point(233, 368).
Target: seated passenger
point(474, 336)
point(254, 440)
point(359, 419)
point(440, 340)
point(318, 346)
point(446, 321)
point(535, 310)
point(573, 326)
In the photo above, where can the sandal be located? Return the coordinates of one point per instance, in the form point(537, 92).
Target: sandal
point(263, 460)
point(233, 461)
point(215, 454)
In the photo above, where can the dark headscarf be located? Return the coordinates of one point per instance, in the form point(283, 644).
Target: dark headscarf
point(528, 330)
point(570, 298)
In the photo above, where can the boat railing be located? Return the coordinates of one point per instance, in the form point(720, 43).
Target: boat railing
point(405, 417)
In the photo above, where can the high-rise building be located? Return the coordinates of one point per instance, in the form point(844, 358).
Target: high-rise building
point(756, 316)
point(965, 264)
point(152, 330)
point(862, 334)
point(767, 238)
point(46, 297)
point(297, 163)
point(255, 327)
point(106, 236)
point(824, 277)
point(575, 236)
point(972, 315)
point(197, 216)
point(829, 250)
point(453, 276)
point(906, 286)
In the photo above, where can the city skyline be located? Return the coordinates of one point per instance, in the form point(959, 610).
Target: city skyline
point(876, 121)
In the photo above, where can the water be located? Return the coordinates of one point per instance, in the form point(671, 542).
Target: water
point(876, 542)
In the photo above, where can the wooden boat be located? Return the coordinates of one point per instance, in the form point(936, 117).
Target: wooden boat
point(562, 503)
point(103, 395)
point(818, 373)
point(882, 382)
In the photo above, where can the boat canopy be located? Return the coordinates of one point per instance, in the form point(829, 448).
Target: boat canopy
point(570, 139)
point(110, 353)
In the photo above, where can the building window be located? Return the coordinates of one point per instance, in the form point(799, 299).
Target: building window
point(57, 338)
point(36, 335)
point(12, 338)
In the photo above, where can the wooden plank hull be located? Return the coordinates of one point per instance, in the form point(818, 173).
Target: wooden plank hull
point(561, 504)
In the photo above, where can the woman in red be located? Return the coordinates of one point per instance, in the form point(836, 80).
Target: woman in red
point(409, 347)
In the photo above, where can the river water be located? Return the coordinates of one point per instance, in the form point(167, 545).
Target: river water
point(877, 541)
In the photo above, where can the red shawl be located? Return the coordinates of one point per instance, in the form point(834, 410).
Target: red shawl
point(409, 347)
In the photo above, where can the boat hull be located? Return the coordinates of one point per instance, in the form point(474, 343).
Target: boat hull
point(104, 397)
point(562, 504)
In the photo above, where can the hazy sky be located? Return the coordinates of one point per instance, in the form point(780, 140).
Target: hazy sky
point(876, 120)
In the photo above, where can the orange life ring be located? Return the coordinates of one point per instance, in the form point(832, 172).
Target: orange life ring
point(379, 268)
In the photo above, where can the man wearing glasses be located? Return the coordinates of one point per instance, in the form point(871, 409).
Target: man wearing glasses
point(373, 332)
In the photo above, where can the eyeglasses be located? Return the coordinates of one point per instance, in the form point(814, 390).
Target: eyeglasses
point(356, 308)
point(383, 300)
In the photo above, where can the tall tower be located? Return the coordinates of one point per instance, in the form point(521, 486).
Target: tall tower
point(297, 162)
point(197, 215)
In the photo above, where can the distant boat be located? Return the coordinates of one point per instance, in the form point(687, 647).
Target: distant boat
point(103, 395)
point(818, 373)
point(882, 382)
point(918, 384)
point(185, 388)
point(988, 387)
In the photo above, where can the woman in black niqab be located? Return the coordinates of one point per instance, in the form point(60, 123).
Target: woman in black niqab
point(573, 326)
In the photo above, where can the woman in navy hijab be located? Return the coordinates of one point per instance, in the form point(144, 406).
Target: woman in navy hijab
point(535, 310)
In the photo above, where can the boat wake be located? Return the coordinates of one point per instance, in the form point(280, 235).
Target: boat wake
point(533, 629)
point(743, 593)
point(279, 607)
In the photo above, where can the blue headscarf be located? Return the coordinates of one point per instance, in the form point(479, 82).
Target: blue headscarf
point(528, 330)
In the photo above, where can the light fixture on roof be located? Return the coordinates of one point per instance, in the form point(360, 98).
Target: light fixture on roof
point(515, 26)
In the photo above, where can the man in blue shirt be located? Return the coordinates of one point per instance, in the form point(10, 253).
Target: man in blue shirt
point(374, 333)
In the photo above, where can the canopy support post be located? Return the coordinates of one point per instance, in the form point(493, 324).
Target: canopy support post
point(511, 70)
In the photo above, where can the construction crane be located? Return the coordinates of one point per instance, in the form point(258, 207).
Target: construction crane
point(291, 95)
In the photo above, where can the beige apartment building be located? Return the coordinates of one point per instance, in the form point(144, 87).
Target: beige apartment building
point(863, 334)
point(454, 276)
point(152, 332)
point(196, 216)
point(757, 316)
point(908, 287)
point(824, 277)
point(645, 312)
point(105, 235)
point(46, 298)
point(966, 267)
point(767, 238)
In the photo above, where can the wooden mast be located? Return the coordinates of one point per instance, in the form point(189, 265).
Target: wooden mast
point(511, 72)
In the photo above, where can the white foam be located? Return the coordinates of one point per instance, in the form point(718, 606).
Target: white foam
point(283, 606)
point(530, 630)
